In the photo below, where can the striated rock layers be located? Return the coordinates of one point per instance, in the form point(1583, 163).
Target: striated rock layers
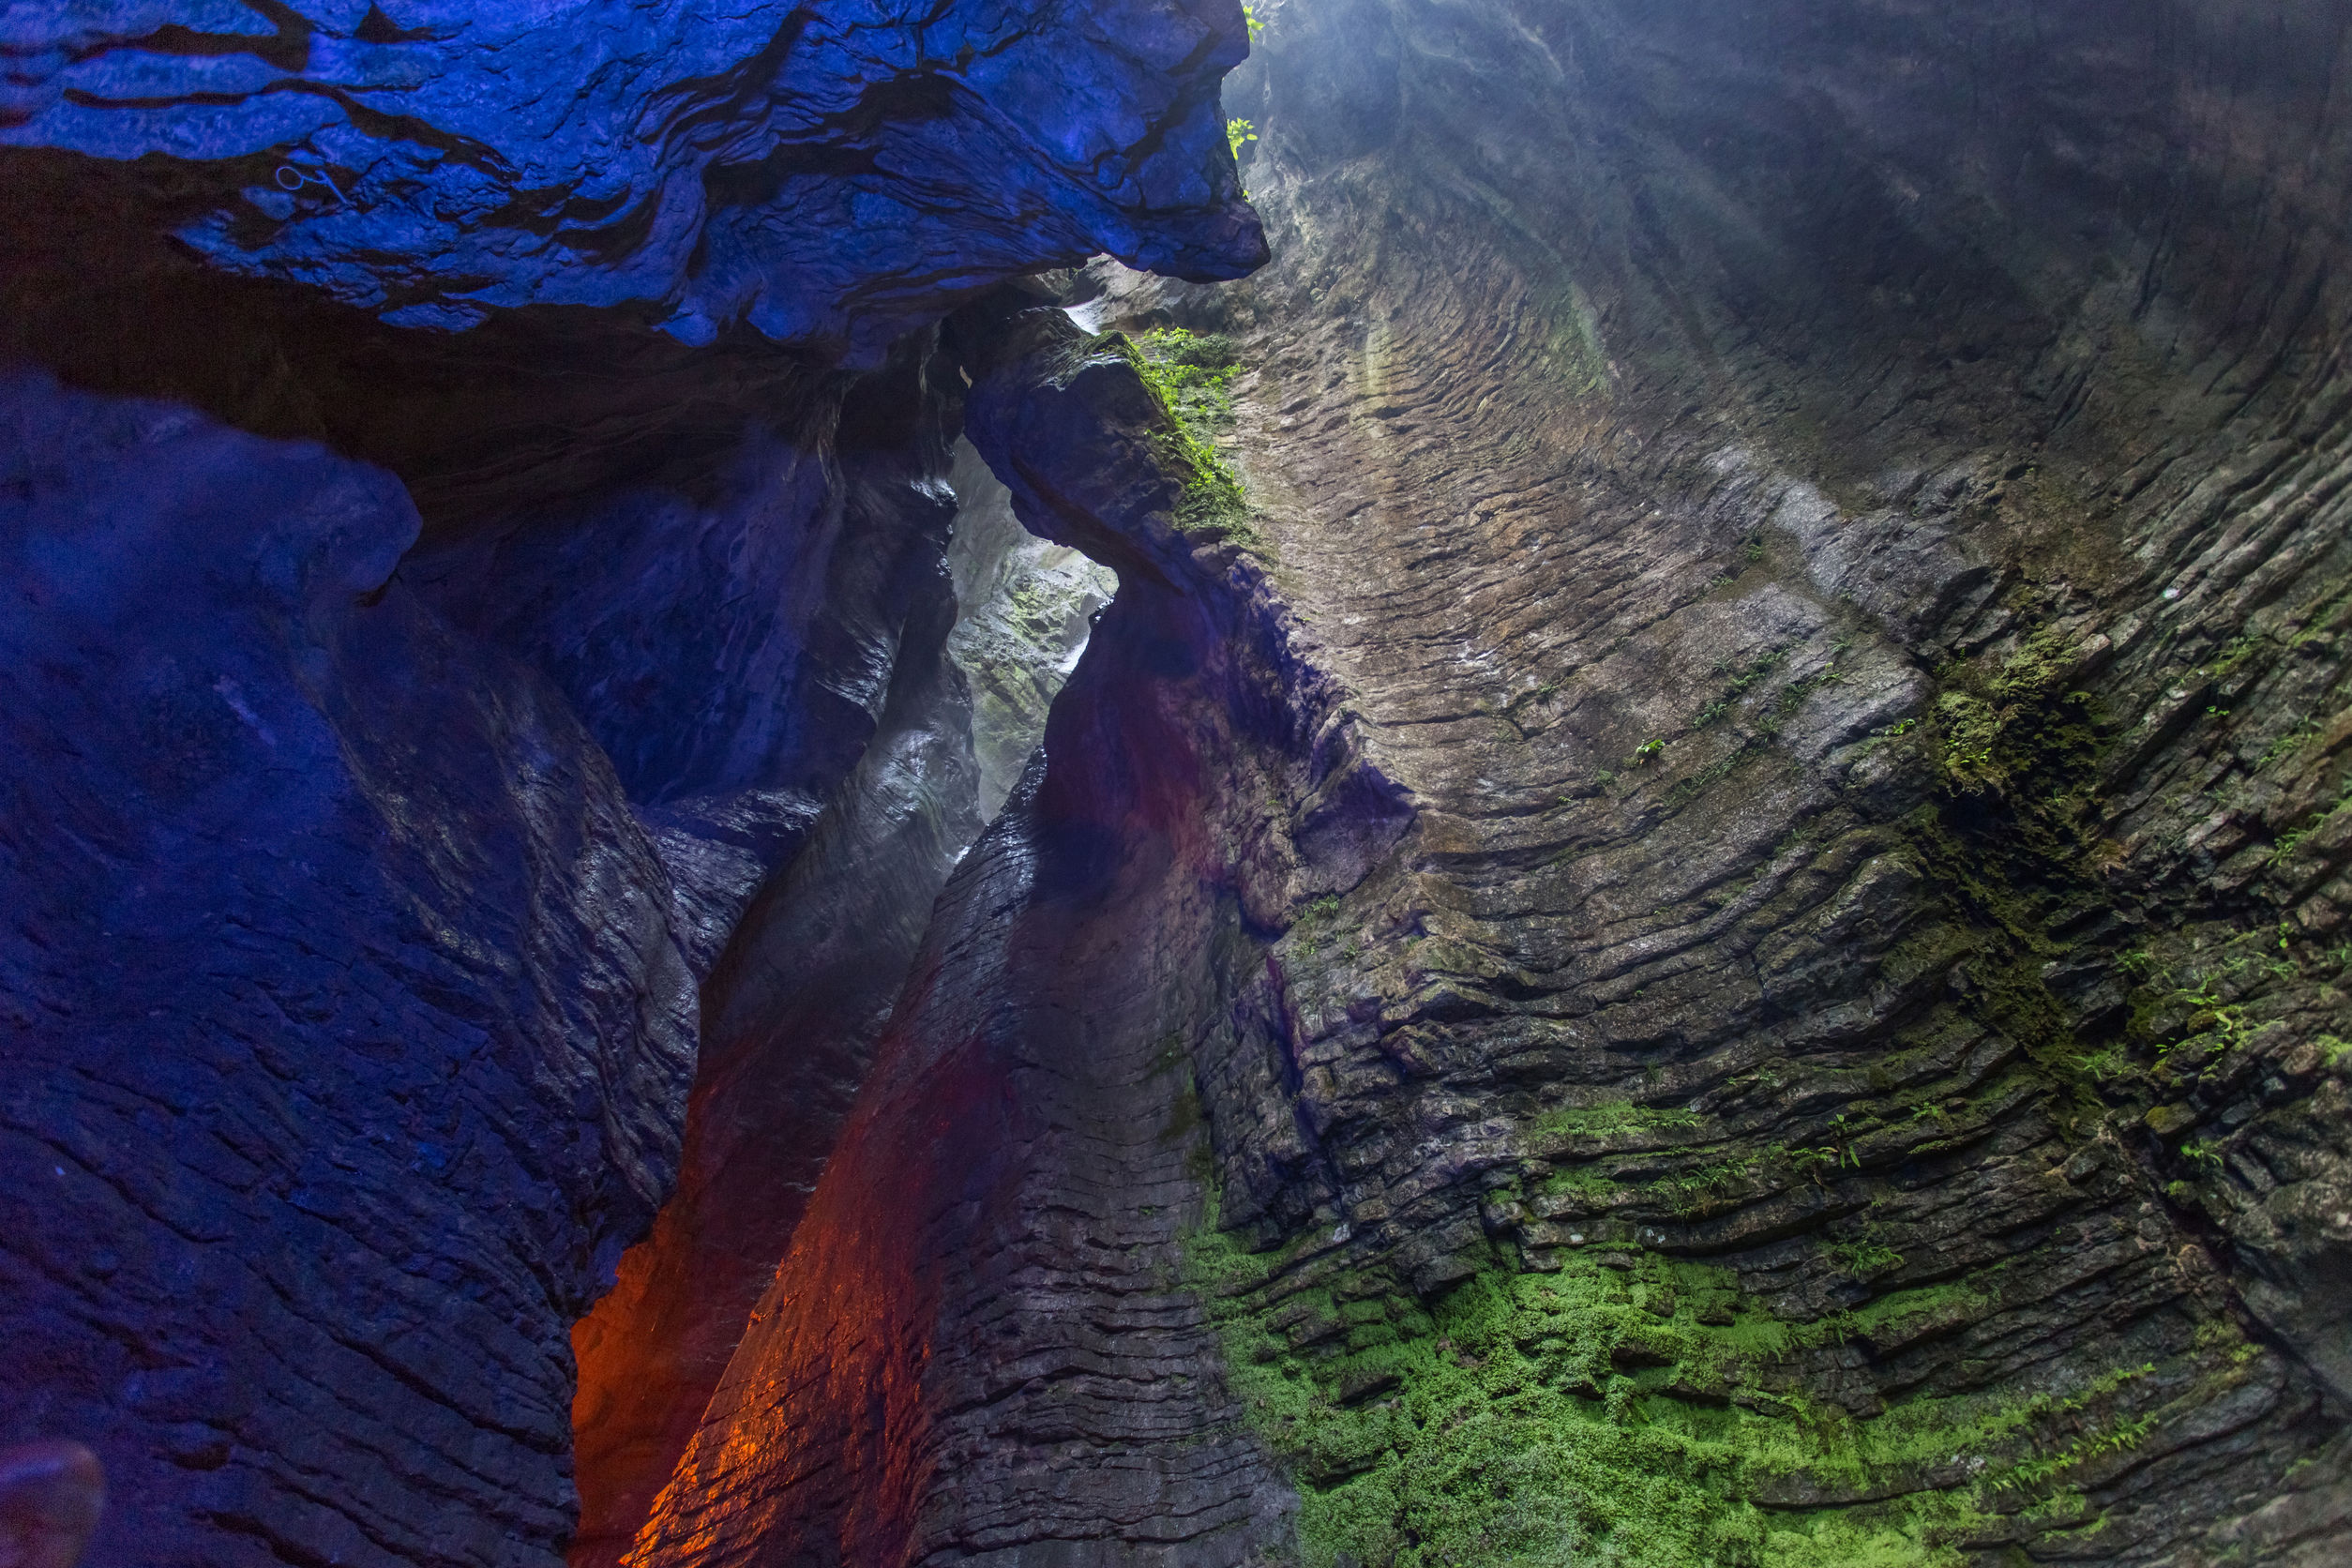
point(421, 747)
point(1691, 909)
point(1821, 535)
point(981, 1346)
point(1838, 518)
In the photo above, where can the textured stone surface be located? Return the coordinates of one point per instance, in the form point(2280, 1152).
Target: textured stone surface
point(833, 172)
point(790, 1014)
point(1769, 761)
point(1714, 446)
point(978, 1348)
point(347, 1026)
point(1711, 490)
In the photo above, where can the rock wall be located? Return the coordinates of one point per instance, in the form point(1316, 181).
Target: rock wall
point(1837, 519)
point(806, 982)
point(345, 1015)
point(980, 1346)
point(406, 726)
point(1690, 909)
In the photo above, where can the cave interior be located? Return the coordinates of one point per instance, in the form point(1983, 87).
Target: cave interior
point(1171, 784)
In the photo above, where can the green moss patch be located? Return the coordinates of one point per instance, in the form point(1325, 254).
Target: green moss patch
point(1629, 1410)
point(1192, 376)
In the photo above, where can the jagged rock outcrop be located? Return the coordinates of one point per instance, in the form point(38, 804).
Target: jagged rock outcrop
point(832, 172)
point(1803, 1089)
point(789, 1017)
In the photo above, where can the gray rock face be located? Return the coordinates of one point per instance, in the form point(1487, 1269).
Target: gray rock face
point(1852, 569)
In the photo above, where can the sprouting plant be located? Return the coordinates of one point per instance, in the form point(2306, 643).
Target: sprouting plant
point(1236, 133)
point(2286, 845)
point(1868, 1255)
point(2102, 1066)
point(2207, 1153)
point(1811, 1162)
point(2289, 742)
point(1645, 753)
point(1249, 15)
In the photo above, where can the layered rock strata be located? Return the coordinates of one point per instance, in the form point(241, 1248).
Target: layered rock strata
point(806, 981)
point(1799, 1089)
point(1850, 562)
point(980, 1346)
point(1695, 916)
point(428, 714)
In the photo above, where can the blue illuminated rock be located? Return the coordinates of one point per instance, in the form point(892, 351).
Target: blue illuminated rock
point(832, 174)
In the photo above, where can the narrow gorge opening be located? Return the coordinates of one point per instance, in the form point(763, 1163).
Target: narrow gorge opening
point(794, 1005)
point(1689, 907)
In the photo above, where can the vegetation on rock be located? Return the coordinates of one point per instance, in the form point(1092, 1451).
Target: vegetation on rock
point(1192, 377)
point(1635, 1409)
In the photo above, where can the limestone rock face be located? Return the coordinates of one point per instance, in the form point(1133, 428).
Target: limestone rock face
point(1691, 908)
point(1851, 564)
point(835, 172)
point(345, 1018)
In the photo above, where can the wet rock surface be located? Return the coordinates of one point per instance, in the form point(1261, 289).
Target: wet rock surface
point(830, 172)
